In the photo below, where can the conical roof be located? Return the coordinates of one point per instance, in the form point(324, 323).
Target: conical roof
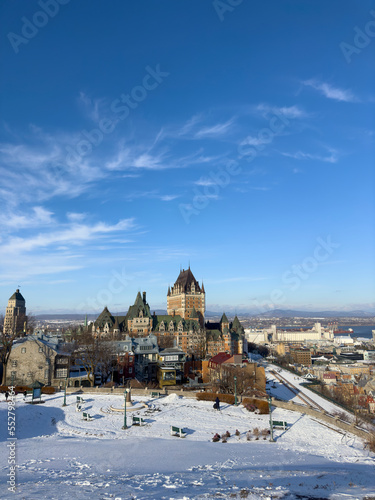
point(224, 319)
point(194, 313)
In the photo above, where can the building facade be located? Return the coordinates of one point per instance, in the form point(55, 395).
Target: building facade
point(38, 358)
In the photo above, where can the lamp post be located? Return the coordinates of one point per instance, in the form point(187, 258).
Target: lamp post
point(235, 390)
point(125, 393)
point(66, 380)
point(271, 423)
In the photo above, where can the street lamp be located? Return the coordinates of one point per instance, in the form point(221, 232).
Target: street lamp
point(66, 380)
point(235, 391)
point(271, 423)
point(125, 393)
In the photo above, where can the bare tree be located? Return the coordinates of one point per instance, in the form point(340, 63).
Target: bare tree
point(93, 353)
point(165, 341)
point(226, 383)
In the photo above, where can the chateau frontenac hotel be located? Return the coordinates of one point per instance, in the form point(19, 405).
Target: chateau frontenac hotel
point(184, 322)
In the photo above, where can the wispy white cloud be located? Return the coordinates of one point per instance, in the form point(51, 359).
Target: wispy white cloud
point(38, 216)
point(38, 172)
point(76, 217)
point(76, 234)
point(251, 140)
point(299, 155)
point(330, 91)
point(213, 131)
point(169, 197)
point(287, 111)
point(204, 182)
point(190, 124)
point(94, 108)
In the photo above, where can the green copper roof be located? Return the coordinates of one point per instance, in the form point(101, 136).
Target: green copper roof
point(224, 319)
point(194, 313)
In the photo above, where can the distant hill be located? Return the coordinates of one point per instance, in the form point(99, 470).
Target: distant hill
point(77, 316)
point(289, 313)
point(274, 313)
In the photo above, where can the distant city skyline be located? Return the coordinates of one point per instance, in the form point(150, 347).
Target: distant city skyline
point(137, 138)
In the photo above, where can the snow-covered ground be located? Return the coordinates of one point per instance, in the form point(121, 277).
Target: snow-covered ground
point(61, 456)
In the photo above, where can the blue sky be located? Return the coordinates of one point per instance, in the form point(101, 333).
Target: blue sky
point(138, 136)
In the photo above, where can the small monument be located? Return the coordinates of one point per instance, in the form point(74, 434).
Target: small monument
point(128, 400)
point(128, 405)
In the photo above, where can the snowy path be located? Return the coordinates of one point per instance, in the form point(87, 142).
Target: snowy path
point(281, 392)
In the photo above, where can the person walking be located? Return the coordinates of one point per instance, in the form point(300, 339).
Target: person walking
point(217, 403)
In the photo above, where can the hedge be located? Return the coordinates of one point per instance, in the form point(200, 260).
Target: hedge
point(229, 398)
point(48, 390)
point(259, 403)
point(211, 396)
point(17, 388)
point(22, 388)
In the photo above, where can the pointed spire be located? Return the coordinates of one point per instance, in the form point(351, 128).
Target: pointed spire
point(224, 318)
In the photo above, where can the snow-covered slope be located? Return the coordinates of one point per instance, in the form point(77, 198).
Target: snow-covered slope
point(61, 456)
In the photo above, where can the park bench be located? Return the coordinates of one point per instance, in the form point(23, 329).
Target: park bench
point(138, 421)
point(78, 406)
point(155, 394)
point(177, 431)
point(86, 416)
point(80, 400)
point(279, 424)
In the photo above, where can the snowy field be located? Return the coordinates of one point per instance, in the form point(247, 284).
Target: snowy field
point(61, 456)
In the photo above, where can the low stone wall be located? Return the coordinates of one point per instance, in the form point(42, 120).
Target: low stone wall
point(135, 392)
point(324, 417)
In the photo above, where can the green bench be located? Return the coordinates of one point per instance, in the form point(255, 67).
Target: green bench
point(278, 424)
point(138, 421)
point(177, 431)
point(155, 394)
point(87, 416)
point(78, 406)
point(80, 400)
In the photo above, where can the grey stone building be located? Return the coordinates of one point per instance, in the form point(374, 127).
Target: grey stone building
point(39, 358)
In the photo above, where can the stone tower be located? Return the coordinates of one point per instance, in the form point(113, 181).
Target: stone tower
point(186, 297)
point(15, 314)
